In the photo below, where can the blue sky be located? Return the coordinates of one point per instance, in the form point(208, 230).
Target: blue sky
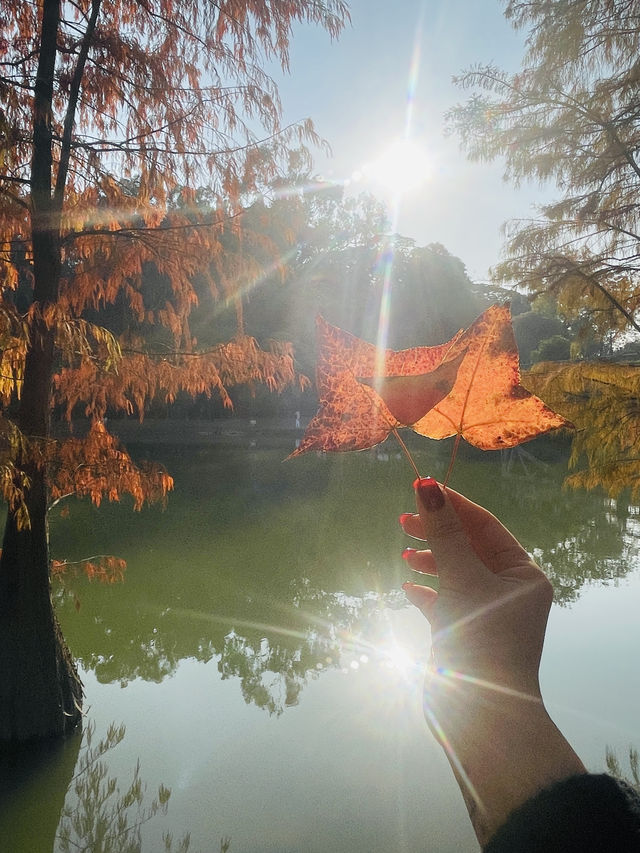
point(355, 90)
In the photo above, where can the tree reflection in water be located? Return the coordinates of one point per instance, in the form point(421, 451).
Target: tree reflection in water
point(577, 537)
point(277, 570)
point(615, 768)
point(99, 816)
point(59, 796)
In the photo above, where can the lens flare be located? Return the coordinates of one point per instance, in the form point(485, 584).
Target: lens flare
point(402, 167)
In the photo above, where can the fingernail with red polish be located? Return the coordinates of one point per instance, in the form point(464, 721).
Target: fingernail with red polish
point(405, 517)
point(408, 552)
point(430, 493)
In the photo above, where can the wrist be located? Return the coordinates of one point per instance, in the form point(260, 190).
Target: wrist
point(502, 744)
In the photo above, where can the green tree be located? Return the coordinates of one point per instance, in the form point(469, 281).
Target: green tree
point(432, 297)
point(570, 116)
point(530, 329)
point(346, 265)
point(335, 256)
point(555, 348)
point(110, 109)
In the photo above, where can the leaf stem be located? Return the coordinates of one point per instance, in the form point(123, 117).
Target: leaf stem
point(406, 452)
point(454, 453)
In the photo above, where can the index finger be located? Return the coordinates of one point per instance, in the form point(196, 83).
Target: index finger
point(457, 562)
point(496, 547)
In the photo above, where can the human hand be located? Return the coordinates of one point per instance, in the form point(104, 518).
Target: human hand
point(489, 616)
point(488, 621)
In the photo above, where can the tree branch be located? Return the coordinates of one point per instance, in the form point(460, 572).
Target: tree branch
point(590, 279)
point(63, 166)
point(131, 231)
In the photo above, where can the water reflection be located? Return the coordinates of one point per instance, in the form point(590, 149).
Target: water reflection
point(62, 797)
point(279, 571)
point(615, 768)
point(100, 815)
point(33, 782)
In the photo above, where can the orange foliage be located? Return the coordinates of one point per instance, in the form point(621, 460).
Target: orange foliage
point(104, 568)
point(135, 104)
point(141, 377)
point(97, 467)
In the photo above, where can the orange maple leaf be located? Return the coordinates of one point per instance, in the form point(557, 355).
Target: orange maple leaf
point(366, 393)
point(487, 405)
point(468, 387)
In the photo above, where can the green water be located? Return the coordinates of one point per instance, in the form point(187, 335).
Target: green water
point(267, 669)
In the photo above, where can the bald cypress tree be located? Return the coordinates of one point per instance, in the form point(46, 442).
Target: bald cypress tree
point(110, 109)
point(570, 118)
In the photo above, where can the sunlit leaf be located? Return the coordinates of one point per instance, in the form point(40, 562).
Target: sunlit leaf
point(469, 387)
point(488, 406)
point(409, 398)
point(363, 396)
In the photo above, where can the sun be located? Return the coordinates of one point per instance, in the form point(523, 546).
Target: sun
point(402, 167)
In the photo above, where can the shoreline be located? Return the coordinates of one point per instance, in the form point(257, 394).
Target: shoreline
point(168, 431)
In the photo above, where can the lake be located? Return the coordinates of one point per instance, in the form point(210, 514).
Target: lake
point(265, 666)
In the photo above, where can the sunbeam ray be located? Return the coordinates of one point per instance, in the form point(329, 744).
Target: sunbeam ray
point(385, 300)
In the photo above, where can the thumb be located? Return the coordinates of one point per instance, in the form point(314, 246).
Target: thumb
point(454, 554)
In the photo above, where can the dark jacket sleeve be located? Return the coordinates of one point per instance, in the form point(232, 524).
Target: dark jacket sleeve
point(587, 813)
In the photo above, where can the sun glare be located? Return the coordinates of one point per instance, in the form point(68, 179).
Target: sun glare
point(402, 167)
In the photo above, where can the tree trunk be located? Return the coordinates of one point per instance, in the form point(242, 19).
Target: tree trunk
point(40, 692)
